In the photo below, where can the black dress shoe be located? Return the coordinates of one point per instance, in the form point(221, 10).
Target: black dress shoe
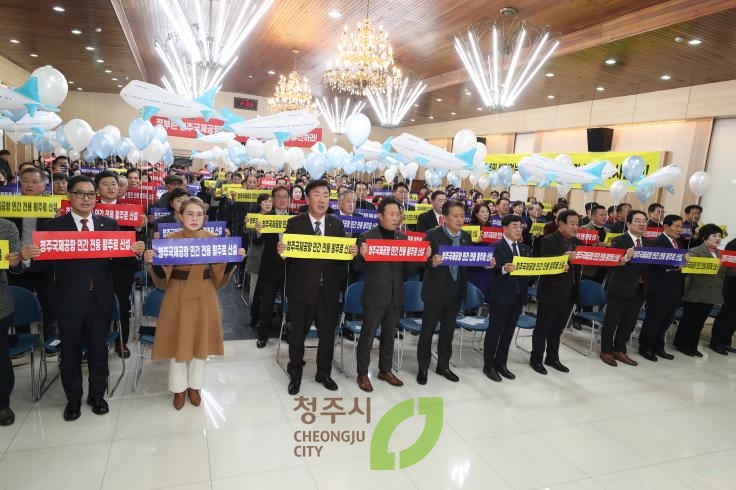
point(327, 382)
point(295, 382)
point(719, 349)
point(687, 352)
point(648, 355)
point(7, 417)
point(557, 365)
point(448, 374)
point(72, 411)
point(538, 367)
point(261, 342)
point(697, 353)
point(99, 405)
point(422, 377)
point(664, 355)
point(492, 374)
point(504, 371)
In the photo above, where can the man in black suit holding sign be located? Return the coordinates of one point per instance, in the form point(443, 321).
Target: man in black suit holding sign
point(313, 287)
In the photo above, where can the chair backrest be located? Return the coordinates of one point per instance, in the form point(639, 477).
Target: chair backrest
point(353, 295)
point(473, 298)
point(413, 297)
point(590, 293)
point(152, 304)
point(26, 306)
point(116, 310)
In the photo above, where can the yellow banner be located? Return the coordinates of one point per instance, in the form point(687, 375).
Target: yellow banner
point(270, 223)
point(410, 217)
point(118, 170)
point(474, 231)
point(701, 265)
point(652, 159)
point(546, 207)
point(333, 194)
point(30, 206)
point(317, 247)
point(4, 251)
point(537, 228)
point(247, 195)
point(538, 266)
point(210, 183)
point(423, 207)
point(610, 237)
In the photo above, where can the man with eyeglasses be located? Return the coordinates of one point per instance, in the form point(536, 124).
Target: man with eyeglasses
point(625, 293)
point(83, 301)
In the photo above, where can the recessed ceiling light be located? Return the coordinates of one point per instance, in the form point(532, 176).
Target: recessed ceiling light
point(694, 42)
point(550, 96)
point(412, 120)
point(250, 76)
point(438, 99)
point(98, 29)
point(76, 32)
point(89, 48)
point(416, 105)
point(468, 92)
point(58, 9)
point(431, 117)
point(665, 77)
point(478, 108)
point(70, 82)
point(550, 75)
point(610, 61)
point(34, 55)
point(600, 89)
point(108, 71)
point(334, 14)
point(15, 41)
point(120, 86)
point(271, 72)
point(453, 113)
point(114, 79)
point(79, 88)
point(100, 61)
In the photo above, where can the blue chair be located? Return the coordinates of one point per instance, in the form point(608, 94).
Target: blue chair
point(151, 308)
point(525, 322)
point(352, 306)
point(475, 323)
point(590, 295)
point(412, 304)
point(27, 311)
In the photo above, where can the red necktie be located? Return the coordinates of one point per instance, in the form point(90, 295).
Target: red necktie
point(84, 224)
point(638, 242)
point(675, 245)
point(441, 221)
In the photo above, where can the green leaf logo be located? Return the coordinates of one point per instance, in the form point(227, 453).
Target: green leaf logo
point(382, 458)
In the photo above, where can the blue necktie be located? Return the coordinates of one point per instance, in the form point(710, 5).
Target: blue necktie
point(317, 229)
point(453, 268)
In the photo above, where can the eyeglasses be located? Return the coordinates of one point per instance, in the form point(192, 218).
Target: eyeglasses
point(194, 215)
point(639, 221)
point(83, 195)
point(281, 196)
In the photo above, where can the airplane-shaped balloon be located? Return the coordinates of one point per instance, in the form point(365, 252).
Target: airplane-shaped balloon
point(372, 150)
point(664, 177)
point(24, 98)
point(221, 137)
point(281, 126)
point(214, 153)
point(38, 123)
point(151, 100)
point(609, 170)
point(429, 155)
point(548, 171)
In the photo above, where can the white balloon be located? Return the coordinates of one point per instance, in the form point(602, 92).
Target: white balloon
point(78, 133)
point(516, 179)
point(254, 148)
point(112, 131)
point(390, 173)
point(357, 128)
point(563, 189)
point(15, 136)
point(463, 141)
point(52, 86)
point(153, 152)
point(564, 159)
point(295, 157)
point(133, 157)
point(59, 151)
point(473, 179)
point(699, 183)
point(483, 182)
point(618, 190)
point(480, 154)
point(274, 153)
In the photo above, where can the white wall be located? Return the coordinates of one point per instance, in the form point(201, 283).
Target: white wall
point(718, 203)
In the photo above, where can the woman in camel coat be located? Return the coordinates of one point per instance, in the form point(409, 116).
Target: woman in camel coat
point(189, 326)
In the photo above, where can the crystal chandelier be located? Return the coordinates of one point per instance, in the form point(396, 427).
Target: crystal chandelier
point(364, 60)
point(207, 34)
point(393, 102)
point(336, 111)
point(292, 92)
point(518, 50)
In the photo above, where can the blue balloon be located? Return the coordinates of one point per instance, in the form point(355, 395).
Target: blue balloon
point(141, 132)
point(44, 145)
point(159, 133)
point(103, 144)
point(335, 156)
point(505, 175)
point(645, 193)
point(124, 146)
point(238, 155)
point(61, 138)
point(493, 179)
point(633, 168)
point(315, 164)
point(89, 157)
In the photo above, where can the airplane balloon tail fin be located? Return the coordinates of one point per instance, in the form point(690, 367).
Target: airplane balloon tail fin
point(387, 144)
point(421, 160)
point(32, 109)
point(467, 157)
point(147, 111)
point(29, 89)
point(179, 122)
point(229, 117)
point(281, 137)
point(208, 97)
point(670, 189)
point(37, 131)
point(589, 187)
point(199, 135)
point(208, 114)
point(597, 170)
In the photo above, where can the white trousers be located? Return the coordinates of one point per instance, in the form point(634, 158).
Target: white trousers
point(183, 375)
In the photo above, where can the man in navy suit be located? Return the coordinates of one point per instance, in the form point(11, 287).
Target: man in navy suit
point(83, 300)
point(664, 288)
point(507, 296)
point(433, 218)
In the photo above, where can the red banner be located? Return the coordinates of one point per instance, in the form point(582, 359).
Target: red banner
point(295, 205)
point(728, 258)
point(63, 245)
point(124, 214)
point(268, 182)
point(141, 194)
point(598, 256)
point(414, 236)
point(588, 237)
point(652, 233)
point(490, 235)
point(396, 251)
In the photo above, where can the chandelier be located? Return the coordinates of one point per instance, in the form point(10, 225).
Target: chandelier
point(207, 34)
point(393, 102)
point(518, 50)
point(364, 60)
point(292, 92)
point(336, 111)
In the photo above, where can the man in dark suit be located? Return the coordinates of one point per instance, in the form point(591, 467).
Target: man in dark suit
point(503, 208)
point(401, 194)
point(690, 226)
point(312, 288)
point(555, 294)
point(725, 324)
point(442, 291)
point(507, 295)
point(622, 211)
point(383, 296)
point(361, 190)
point(434, 217)
point(664, 288)
point(655, 211)
point(625, 293)
point(83, 302)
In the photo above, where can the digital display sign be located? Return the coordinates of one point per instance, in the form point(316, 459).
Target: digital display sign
point(245, 103)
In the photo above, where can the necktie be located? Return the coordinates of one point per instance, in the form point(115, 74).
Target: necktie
point(317, 229)
point(675, 245)
point(638, 242)
point(453, 268)
point(90, 281)
point(441, 221)
point(84, 224)
point(514, 249)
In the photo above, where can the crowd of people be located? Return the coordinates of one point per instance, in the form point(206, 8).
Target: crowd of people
point(77, 296)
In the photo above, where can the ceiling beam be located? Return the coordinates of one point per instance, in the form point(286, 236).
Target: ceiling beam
point(125, 25)
point(644, 20)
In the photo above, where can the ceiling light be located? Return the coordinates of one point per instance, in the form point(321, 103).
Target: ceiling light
point(391, 103)
point(438, 100)
point(15, 41)
point(79, 88)
point(120, 86)
point(600, 89)
point(431, 117)
point(98, 29)
point(416, 105)
point(550, 96)
point(610, 61)
point(250, 76)
point(453, 113)
point(292, 92)
point(334, 14)
point(114, 79)
point(70, 82)
point(478, 108)
point(412, 120)
point(549, 75)
point(468, 92)
point(34, 55)
point(337, 111)
point(76, 31)
point(100, 61)
point(58, 9)
point(665, 77)
point(89, 48)
point(694, 42)
point(108, 71)
point(271, 72)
